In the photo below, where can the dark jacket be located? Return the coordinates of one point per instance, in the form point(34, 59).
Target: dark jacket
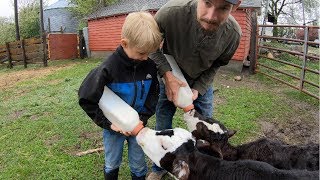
point(133, 81)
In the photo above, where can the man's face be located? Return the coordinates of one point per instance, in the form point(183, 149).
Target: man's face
point(213, 13)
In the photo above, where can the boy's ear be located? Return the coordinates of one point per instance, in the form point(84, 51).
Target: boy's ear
point(124, 43)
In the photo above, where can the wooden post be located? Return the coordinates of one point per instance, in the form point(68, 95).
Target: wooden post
point(304, 62)
point(45, 55)
point(23, 54)
point(253, 43)
point(81, 44)
point(8, 55)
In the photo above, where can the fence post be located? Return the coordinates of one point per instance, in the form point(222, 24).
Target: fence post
point(305, 51)
point(81, 45)
point(8, 55)
point(44, 44)
point(253, 43)
point(23, 53)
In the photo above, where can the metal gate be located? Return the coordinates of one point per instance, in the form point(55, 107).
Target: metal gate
point(291, 58)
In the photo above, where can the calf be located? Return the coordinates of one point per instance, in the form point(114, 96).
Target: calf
point(175, 151)
point(276, 153)
point(192, 118)
point(216, 130)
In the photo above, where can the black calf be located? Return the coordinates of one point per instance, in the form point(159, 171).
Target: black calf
point(277, 154)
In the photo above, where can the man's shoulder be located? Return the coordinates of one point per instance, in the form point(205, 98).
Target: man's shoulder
point(234, 24)
point(175, 10)
point(173, 5)
point(180, 2)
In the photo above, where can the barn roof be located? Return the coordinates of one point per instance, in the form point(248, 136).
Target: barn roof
point(59, 4)
point(251, 4)
point(127, 6)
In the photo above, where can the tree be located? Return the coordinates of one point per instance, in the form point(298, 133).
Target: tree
point(7, 30)
point(29, 20)
point(84, 8)
point(290, 11)
point(276, 8)
point(293, 14)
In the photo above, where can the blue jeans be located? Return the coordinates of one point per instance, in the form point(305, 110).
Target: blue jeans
point(166, 109)
point(113, 145)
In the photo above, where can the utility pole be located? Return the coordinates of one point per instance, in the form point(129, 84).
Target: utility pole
point(43, 35)
point(304, 18)
point(16, 20)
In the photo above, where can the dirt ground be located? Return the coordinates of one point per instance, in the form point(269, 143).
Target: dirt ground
point(10, 79)
point(299, 126)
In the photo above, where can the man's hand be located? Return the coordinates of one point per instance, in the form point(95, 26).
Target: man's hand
point(172, 86)
point(116, 129)
point(195, 94)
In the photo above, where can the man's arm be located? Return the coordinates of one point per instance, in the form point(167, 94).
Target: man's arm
point(164, 69)
point(161, 18)
point(161, 61)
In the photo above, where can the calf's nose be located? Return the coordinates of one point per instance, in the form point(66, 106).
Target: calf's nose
point(141, 135)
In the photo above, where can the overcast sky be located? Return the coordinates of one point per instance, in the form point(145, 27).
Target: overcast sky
point(6, 7)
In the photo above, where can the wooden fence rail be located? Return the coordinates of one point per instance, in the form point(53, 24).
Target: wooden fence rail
point(25, 51)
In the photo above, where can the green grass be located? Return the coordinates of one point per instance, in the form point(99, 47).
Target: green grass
point(42, 125)
point(243, 108)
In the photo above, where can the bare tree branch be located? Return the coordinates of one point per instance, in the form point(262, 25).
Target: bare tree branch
point(281, 7)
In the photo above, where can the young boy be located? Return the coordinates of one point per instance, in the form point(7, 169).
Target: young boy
point(133, 77)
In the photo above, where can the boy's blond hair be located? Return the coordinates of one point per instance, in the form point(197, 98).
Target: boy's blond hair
point(141, 31)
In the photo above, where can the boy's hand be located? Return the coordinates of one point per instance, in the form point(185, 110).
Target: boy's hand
point(172, 86)
point(116, 129)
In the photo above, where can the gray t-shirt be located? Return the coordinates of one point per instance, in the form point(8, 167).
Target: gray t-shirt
point(198, 54)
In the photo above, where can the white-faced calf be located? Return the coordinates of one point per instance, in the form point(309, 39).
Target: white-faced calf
point(217, 132)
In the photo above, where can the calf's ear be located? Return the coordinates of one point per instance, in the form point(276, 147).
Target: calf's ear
point(202, 143)
point(231, 133)
point(180, 169)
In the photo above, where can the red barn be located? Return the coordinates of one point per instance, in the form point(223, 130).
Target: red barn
point(105, 24)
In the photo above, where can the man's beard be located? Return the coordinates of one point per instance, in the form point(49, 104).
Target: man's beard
point(214, 25)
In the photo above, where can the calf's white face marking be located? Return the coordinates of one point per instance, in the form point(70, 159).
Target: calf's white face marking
point(156, 144)
point(192, 120)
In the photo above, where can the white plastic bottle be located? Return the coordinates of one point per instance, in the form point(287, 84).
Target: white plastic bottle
point(119, 112)
point(185, 94)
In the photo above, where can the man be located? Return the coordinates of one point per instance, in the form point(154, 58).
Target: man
point(202, 36)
